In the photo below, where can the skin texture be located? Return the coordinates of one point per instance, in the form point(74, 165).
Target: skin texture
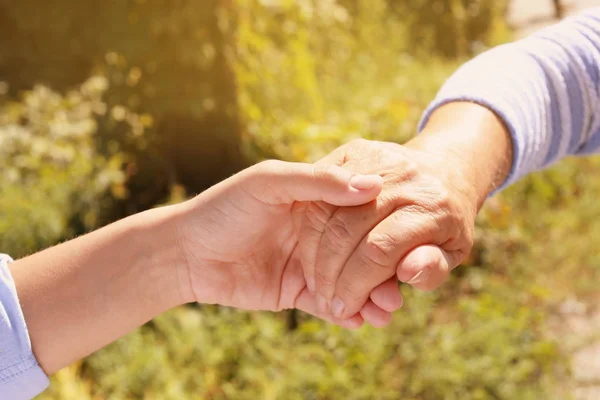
point(421, 226)
point(232, 245)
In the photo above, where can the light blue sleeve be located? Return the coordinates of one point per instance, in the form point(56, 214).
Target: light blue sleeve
point(544, 87)
point(21, 377)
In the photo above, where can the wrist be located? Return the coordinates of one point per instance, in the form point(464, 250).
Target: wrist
point(474, 143)
point(159, 233)
point(455, 171)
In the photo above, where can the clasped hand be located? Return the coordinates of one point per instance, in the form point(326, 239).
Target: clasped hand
point(332, 238)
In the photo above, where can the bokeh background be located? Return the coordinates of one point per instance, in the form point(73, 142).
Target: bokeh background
point(109, 108)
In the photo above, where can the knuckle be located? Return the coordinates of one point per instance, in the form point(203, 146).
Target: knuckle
point(378, 250)
point(410, 169)
point(444, 200)
point(435, 199)
point(455, 221)
point(416, 222)
point(337, 236)
point(445, 214)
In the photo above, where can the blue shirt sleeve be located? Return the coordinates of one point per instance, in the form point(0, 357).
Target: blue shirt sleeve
point(21, 377)
point(544, 87)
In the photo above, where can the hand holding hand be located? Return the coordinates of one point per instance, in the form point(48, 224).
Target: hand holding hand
point(239, 237)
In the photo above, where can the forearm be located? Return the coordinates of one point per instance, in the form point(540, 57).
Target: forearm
point(83, 294)
point(544, 89)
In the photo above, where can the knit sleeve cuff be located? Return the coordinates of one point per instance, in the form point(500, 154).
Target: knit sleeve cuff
point(488, 80)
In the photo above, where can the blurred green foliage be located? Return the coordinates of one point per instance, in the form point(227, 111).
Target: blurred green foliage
point(483, 348)
point(56, 176)
point(165, 57)
point(381, 62)
point(185, 92)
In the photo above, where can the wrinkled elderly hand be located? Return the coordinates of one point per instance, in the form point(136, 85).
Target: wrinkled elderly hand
point(417, 230)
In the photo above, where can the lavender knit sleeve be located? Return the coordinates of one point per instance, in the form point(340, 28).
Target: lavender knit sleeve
point(545, 88)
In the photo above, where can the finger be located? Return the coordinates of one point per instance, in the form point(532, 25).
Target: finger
point(375, 315)
point(306, 302)
point(315, 217)
point(376, 258)
point(341, 235)
point(387, 296)
point(427, 267)
point(278, 182)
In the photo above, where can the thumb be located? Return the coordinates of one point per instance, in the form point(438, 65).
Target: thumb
point(427, 267)
point(279, 182)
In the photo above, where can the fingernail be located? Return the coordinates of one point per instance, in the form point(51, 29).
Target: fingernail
point(420, 277)
point(337, 307)
point(364, 182)
point(310, 283)
point(321, 304)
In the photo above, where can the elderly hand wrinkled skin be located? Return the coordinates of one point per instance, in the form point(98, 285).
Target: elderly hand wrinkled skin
point(418, 229)
point(421, 225)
